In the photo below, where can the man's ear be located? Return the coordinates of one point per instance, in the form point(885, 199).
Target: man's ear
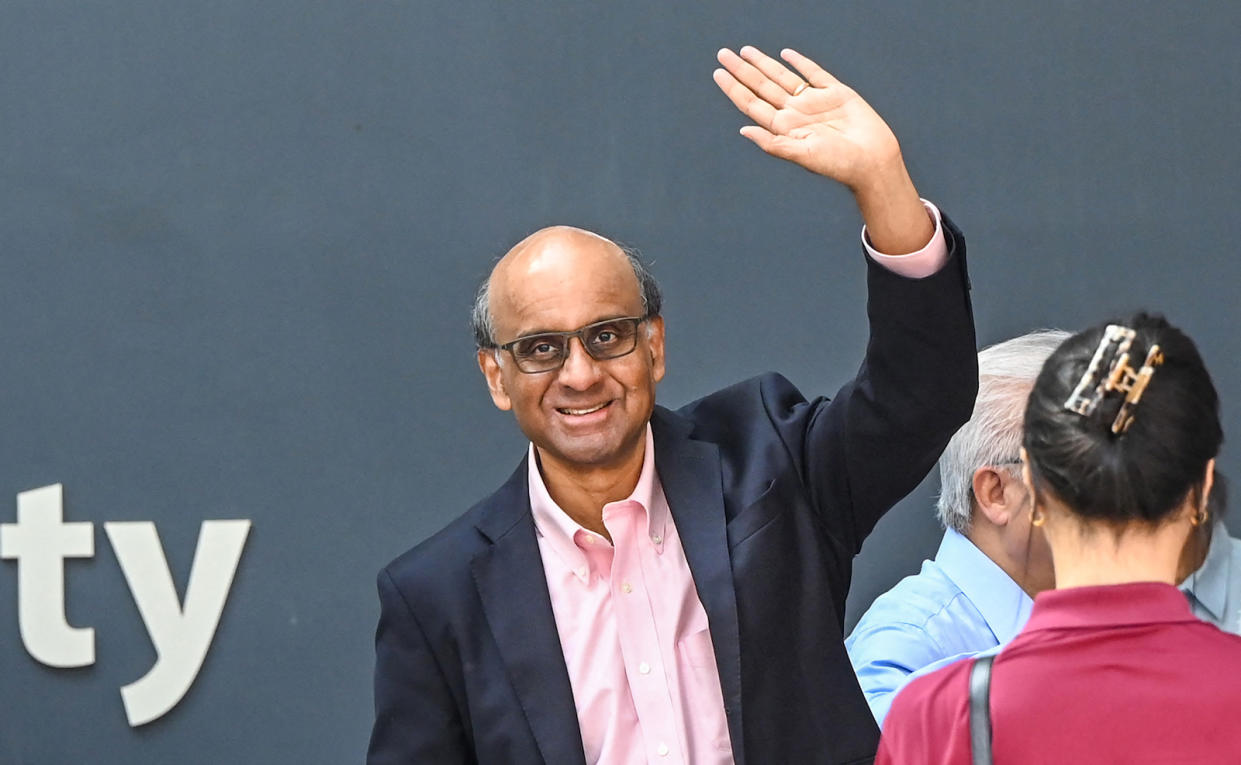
point(655, 345)
point(489, 364)
point(990, 497)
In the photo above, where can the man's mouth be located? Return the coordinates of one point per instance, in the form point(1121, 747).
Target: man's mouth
point(582, 411)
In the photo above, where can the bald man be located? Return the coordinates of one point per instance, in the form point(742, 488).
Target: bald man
point(654, 586)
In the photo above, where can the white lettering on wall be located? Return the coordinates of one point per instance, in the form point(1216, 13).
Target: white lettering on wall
point(181, 633)
point(40, 541)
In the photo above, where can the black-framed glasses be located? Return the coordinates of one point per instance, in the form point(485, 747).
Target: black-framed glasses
point(603, 340)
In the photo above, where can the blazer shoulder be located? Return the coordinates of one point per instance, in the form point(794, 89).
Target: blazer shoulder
point(753, 416)
point(443, 549)
point(759, 396)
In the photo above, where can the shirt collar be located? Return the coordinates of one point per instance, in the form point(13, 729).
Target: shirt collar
point(1003, 604)
point(1209, 584)
point(562, 533)
point(1112, 605)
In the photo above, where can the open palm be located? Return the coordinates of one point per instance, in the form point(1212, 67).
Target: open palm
point(817, 122)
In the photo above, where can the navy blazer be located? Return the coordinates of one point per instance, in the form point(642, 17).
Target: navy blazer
point(772, 496)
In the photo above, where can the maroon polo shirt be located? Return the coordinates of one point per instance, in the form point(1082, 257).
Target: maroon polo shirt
point(1120, 673)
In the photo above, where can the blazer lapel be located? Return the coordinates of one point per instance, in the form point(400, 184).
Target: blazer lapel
point(689, 472)
point(510, 581)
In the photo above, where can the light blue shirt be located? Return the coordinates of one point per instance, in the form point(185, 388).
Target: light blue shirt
point(1214, 590)
point(959, 605)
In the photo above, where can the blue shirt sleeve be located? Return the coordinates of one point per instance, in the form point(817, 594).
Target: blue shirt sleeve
point(885, 656)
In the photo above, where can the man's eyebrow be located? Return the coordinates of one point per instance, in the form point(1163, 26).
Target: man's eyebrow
point(534, 332)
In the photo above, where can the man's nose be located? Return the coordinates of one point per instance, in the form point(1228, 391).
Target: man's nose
point(580, 369)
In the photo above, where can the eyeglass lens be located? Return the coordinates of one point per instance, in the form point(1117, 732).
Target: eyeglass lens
point(604, 340)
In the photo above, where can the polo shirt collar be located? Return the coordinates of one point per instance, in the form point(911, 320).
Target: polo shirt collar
point(561, 532)
point(1209, 584)
point(1003, 604)
point(1111, 605)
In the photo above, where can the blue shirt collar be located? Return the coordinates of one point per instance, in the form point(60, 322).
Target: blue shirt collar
point(1209, 584)
point(1002, 603)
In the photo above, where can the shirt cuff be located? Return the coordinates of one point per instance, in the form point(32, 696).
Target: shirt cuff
point(915, 265)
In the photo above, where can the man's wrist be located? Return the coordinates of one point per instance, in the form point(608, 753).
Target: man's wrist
point(885, 177)
point(916, 265)
point(894, 216)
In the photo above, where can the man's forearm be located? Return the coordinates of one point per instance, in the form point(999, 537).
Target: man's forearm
point(895, 218)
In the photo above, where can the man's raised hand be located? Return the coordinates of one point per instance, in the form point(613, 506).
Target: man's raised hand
point(811, 118)
point(826, 128)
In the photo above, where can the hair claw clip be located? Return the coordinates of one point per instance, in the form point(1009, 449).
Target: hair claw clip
point(1113, 351)
point(1094, 385)
point(1133, 384)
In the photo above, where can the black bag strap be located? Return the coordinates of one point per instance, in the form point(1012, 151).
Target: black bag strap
point(980, 710)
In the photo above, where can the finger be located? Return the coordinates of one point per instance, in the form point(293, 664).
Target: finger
point(744, 99)
point(758, 83)
point(814, 74)
point(775, 145)
point(772, 69)
point(761, 138)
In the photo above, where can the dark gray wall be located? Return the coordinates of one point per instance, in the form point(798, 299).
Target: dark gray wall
point(238, 241)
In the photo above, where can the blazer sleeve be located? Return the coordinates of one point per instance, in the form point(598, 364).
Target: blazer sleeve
point(415, 711)
point(864, 450)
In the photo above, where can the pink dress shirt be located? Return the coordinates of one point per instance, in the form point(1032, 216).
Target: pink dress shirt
point(632, 628)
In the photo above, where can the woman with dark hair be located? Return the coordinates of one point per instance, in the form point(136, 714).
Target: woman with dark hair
point(1121, 433)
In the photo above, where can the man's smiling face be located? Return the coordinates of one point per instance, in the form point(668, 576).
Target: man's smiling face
point(588, 414)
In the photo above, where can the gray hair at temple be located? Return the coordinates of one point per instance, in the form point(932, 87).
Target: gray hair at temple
point(484, 328)
point(1006, 374)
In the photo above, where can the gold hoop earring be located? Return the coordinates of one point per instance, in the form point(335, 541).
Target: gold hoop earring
point(1037, 519)
point(1199, 518)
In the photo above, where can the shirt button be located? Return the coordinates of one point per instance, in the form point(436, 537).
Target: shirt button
point(644, 668)
point(657, 539)
point(589, 539)
point(662, 751)
point(626, 588)
point(581, 572)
